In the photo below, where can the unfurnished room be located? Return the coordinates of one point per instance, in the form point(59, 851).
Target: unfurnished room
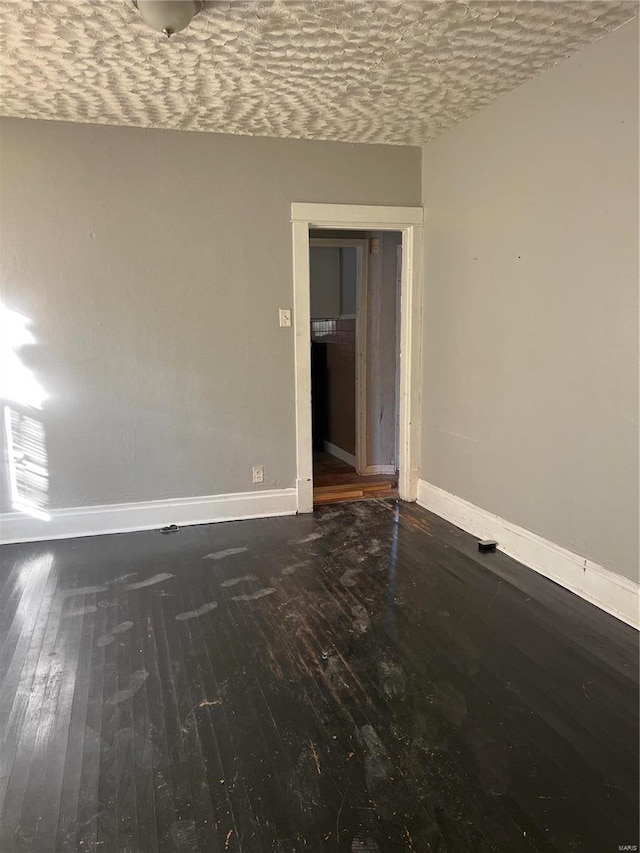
point(320, 442)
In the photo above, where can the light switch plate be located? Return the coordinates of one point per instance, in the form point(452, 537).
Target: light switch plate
point(285, 316)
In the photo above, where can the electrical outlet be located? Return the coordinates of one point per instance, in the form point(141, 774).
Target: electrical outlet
point(285, 316)
point(258, 473)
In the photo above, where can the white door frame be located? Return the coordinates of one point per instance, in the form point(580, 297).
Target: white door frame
point(362, 277)
point(409, 221)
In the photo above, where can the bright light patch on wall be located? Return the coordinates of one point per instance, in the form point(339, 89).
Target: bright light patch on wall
point(26, 456)
point(17, 382)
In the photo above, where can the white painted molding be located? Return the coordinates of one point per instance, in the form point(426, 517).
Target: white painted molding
point(339, 453)
point(150, 515)
point(366, 216)
point(361, 217)
point(302, 360)
point(602, 587)
point(409, 392)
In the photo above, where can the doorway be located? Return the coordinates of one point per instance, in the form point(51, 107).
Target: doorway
point(354, 218)
point(354, 307)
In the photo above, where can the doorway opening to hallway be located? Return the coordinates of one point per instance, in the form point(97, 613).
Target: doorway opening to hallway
point(354, 281)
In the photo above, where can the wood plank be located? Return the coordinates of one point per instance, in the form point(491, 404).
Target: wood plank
point(362, 487)
point(339, 497)
point(352, 478)
point(333, 490)
point(71, 783)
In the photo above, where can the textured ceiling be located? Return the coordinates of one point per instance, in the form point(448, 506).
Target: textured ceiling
point(354, 70)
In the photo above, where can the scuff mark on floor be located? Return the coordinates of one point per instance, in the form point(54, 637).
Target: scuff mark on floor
point(318, 534)
point(199, 611)
point(328, 516)
point(349, 578)
point(377, 764)
point(144, 753)
point(123, 578)
point(334, 672)
point(81, 611)
point(184, 835)
point(361, 621)
point(154, 579)
point(81, 590)
point(364, 845)
point(138, 678)
point(392, 678)
point(254, 595)
point(375, 547)
point(234, 581)
point(289, 570)
point(108, 638)
point(228, 552)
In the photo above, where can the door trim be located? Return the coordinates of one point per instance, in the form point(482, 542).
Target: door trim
point(409, 221)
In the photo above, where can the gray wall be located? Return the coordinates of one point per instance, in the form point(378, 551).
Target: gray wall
point(152, 265)
point(348, 281)
point(333, 274)
point(382, 350)
point(530, 376)
point(324, 282)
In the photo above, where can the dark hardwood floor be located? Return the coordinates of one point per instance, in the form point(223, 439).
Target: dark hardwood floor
point(362, 680)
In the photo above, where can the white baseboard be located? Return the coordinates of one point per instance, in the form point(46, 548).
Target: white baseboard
point(378, 469)
point(602, 587)
point(150, 515)
point(339, 453)
point(350, 459)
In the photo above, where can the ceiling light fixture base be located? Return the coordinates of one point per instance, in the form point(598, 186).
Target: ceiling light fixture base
point(168, 16)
